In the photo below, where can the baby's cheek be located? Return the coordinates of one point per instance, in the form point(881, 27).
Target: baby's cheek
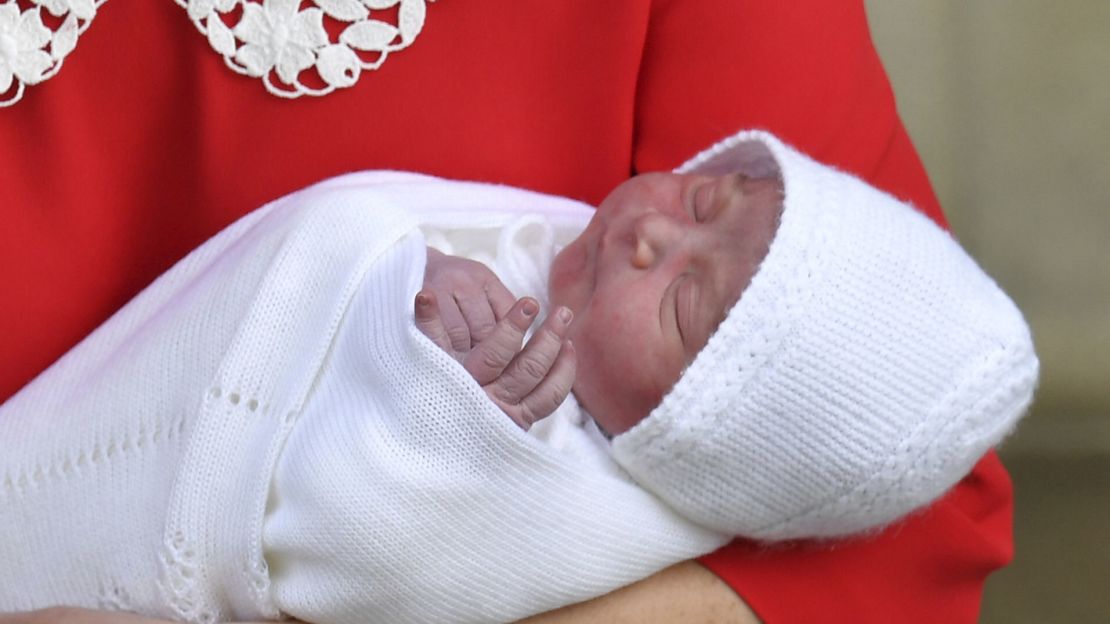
point(566, 280)
point(612, 389)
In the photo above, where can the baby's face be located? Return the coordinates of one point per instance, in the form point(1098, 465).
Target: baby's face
point(659, 266)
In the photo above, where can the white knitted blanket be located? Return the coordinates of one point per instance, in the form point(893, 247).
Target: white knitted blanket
point(263, 431)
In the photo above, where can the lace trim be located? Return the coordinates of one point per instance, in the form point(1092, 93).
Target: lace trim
point(289, 47)
point(31, 51)
point(284, 44)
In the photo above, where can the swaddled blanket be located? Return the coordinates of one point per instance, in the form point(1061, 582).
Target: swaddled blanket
point(263, 431)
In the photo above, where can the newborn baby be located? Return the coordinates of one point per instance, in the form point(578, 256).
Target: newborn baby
point(823, 407)
point(772, 348)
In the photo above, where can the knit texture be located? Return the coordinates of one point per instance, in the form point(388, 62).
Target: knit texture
point(405, 495)
point(864, 370)
point(136, 469)
point(264, 431)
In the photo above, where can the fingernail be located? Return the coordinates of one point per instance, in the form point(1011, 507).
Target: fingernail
point(565, 315)
point(423, 300)
point(529, 308)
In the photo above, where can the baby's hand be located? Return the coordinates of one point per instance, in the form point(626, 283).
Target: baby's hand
point(527, 384)
point(470, 298)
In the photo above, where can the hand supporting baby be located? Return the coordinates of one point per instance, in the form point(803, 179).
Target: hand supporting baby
point(466, 310)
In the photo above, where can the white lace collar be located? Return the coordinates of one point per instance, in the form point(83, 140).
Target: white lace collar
point(276, 41)
point(29, 51)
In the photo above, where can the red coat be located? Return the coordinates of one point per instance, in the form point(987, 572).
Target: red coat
point(145, 144)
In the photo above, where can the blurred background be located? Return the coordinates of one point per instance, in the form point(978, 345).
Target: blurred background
point(1008, 102)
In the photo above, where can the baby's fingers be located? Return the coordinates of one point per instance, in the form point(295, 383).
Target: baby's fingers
point(454, 323)
point(552, 391)
point(529, 368)
point(429, 321)
point(490, 357)
point(483, 309)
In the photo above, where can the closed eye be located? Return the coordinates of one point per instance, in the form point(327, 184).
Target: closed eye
point(683, 299)
point(704, 202)
point(690, 318)
point(668, 308)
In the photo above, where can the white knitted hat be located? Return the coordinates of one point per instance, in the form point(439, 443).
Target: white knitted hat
point(865, 369)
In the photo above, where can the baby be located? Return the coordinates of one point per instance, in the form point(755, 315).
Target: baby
point(772, 348)
point(850, 383)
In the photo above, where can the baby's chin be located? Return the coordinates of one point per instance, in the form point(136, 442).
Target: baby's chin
point(612, 417)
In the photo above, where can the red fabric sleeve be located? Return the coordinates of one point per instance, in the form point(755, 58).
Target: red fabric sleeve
point(807, 71)
point(929, 567)
point(94, 207)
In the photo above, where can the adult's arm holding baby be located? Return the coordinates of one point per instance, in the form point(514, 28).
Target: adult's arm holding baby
point(686, 592)
point(77, 615)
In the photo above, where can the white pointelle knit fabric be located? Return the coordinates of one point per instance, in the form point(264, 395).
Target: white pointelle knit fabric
point(867, 366)
point(263, 431)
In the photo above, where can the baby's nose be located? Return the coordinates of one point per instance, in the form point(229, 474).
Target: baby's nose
point(654, 235)
point(643, 256)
